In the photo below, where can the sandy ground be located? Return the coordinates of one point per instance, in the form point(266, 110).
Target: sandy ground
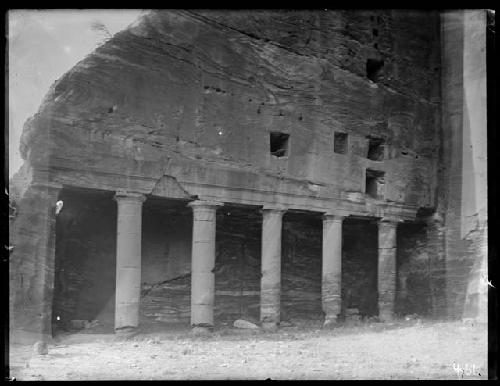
point(403, 350)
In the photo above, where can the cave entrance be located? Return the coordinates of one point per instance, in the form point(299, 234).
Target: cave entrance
point(301, 265)
point(85, 255)
point(237, 264)
point(359, 268)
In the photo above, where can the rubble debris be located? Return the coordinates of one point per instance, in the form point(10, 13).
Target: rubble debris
point(411, 317)
point(201, 331)
point(83, 324)
point(241, 323)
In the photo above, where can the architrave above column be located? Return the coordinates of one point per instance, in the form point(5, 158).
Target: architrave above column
point(274, 209)
point(336, 214)
point(328, 217)
point(205, 204)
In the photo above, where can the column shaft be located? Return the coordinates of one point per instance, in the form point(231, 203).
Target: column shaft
point(128, 260)
point(203, 263)
point(270, 284)
point(386, 269)
point(332, 267)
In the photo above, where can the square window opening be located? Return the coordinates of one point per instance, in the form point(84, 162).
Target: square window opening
point(340, 143)
point(374, 69)
point(375, 149)
point(374, 183)
point(279, 144)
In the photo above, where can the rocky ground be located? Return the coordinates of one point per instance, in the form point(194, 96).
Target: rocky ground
point(403, 350)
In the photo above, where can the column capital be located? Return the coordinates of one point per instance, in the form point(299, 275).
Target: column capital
point(388, 221)
point(122, 195)
point(328, 216)
point(202, 204)
point(273, 210)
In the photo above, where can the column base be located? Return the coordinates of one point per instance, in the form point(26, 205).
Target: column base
point(202, 330)
point(386, 317)
point(126, 332)
point(269, 326)
point(330, 322)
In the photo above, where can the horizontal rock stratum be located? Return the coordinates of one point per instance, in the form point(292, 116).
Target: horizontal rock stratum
point(183, 104)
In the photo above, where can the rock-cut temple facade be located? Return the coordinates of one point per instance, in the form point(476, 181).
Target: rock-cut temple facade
point(271, 166)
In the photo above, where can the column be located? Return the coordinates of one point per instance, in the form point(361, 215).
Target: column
point(31, 263)
point(436, 239)
point(270, 284)
point(128, 260)
point(202, 264)
point(332, 267)
point(386, 268)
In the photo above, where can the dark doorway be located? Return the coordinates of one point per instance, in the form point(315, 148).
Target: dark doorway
point(85, 261)
point(414, 292)
point(359, 267)
point(301, 262)
point(237, 264)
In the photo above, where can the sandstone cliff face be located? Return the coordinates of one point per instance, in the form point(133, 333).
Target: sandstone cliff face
point(182, 104)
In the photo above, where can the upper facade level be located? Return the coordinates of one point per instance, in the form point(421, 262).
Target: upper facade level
point(313, 110)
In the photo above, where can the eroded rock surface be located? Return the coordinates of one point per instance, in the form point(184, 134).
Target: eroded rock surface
point(193, 96)
point(185, 105)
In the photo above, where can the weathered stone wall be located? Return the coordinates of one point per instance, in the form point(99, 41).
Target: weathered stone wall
point(31, 262)
point(199, 93)
point(301, 268)
point(414, 293)
point(359, 267)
